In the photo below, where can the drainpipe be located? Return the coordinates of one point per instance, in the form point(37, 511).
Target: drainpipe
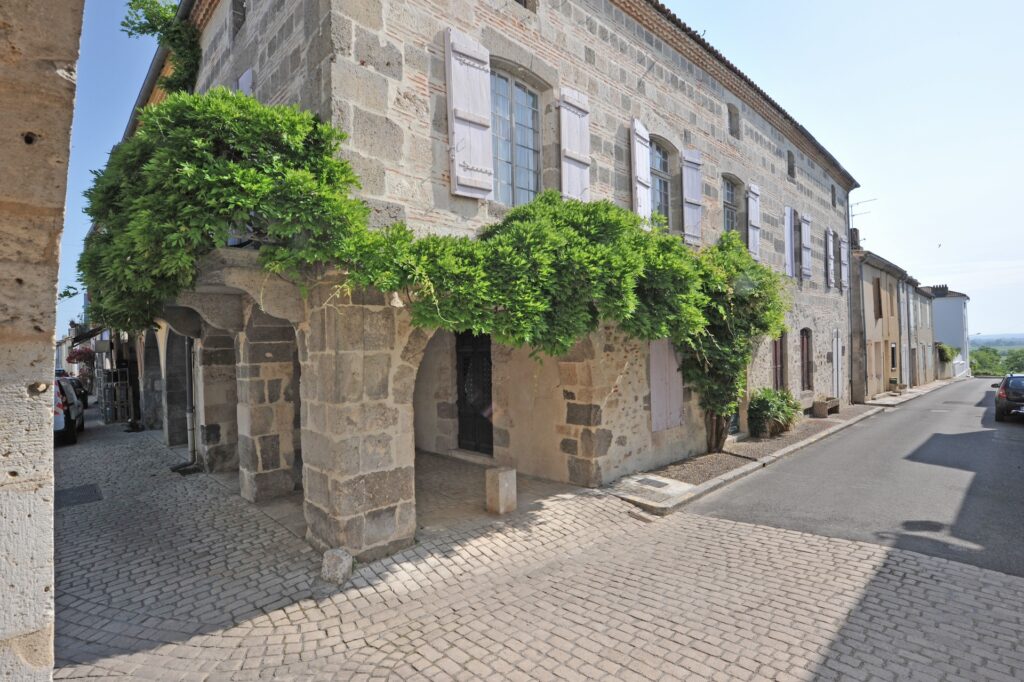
point(190, 403)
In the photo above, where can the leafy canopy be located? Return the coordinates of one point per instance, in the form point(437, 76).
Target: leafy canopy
point(157, 18)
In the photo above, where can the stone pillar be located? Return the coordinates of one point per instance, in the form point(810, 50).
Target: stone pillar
point(359, 370)
point(151, 383)
point(216, 400)
point(266, 386)
point(173, 390)
point(37, 92)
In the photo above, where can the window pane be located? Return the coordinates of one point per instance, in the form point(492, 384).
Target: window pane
point(659, 158)
point(526, 160)
point(501, 138)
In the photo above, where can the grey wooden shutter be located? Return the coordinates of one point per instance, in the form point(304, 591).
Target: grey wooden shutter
point(844, 261)
point(467, 68)
point(806, 270)
point(641, 169)
point(787, 237)
point(574, 118)
point(666, 386)
point(693, 194)
point(830, 260)
point(754, 221)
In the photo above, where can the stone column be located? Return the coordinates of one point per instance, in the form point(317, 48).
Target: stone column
point(359, 370)
point(266, 385)
point(151, 383)
point(216, 400)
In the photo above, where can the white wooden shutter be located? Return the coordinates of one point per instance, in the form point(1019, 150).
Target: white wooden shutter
point(830, 260)
point(806, 272)
point(467, 67)
point(245, 82)
point(574, 115)
point(787, 236)
point(844, 261)
point(693, 196)
point(666, 387)
point(754, 221)
point(641, 169)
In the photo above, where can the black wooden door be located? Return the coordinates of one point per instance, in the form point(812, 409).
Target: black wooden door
point(473, 372)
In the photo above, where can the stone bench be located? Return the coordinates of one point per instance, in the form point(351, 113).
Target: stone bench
point(822, 408)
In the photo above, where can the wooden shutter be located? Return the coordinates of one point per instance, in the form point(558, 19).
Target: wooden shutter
point(641, 169)
point(574, 116)
point(787, 236)
point(467, 67)
point(844, 262)
point(806, 272)
point(830, 260)
point(754, 221)
point(693, 193)
point(666, 387)
point(245, 82)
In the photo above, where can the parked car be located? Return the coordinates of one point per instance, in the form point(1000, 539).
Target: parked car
point(1009, 396)
point(68, 411)
point(80, 391)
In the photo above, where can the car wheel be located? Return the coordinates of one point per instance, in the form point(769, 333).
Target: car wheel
point(1000, 416)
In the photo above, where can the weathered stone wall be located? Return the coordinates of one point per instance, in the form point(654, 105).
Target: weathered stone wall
point(151, 382)
point(357, 426)
point(38, 53)
point(435, 399)
point(216, 399)
point(267, 391)
point(172, 387)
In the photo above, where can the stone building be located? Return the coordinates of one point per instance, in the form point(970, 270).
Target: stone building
point(951, 328)
point(38, 56)
point(893, 339)
point(455, 113)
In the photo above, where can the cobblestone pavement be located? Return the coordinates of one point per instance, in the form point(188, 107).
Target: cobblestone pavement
point(175, 578)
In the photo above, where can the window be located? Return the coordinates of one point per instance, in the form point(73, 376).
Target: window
point(238, 8)
point(806, 361)
point(734, 120)
point(790, 165)
point(892, 356)
point(729, 204)
point(877, 287)
point(779, 363)
point(833, 196)
point(796, 244)
point(515, 117)
point(660, 181)
point(837, 257)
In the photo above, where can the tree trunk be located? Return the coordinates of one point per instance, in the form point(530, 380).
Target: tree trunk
point(717, 428)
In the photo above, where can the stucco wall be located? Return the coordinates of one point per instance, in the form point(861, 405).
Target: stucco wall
point(38, 54)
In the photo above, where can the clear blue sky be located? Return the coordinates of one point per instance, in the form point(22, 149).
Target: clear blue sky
point(921, 102)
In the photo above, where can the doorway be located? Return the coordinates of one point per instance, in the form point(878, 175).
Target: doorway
point(473, 374)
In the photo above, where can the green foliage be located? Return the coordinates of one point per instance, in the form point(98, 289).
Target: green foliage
point(70, 291)
point(157, 18)
point(987, 360)
point(1013, 361)
point(946, 353)
point(202, 169)
point(771, 412)
point(746, 301)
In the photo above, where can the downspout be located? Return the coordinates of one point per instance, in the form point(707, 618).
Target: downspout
point(190, 402)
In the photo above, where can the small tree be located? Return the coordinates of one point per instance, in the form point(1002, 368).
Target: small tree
point(158, 18)
point(1013, 361)
point(746, 302)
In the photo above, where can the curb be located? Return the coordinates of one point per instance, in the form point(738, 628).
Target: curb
point(666, 508)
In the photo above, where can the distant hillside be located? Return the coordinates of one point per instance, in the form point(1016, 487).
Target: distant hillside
point(998, 340)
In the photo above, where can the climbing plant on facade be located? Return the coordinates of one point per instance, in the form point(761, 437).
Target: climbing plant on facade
point(746, 302)
point(158, 18)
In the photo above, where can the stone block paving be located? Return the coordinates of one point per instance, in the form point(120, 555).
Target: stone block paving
point(174, 578)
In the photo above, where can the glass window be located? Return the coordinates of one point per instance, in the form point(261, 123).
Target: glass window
point(729, 203)
point(806, 361)
point(660, 179)
point(515, 125)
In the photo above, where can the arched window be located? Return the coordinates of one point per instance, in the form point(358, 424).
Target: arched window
point(515, 122)
point(806, 360)
point(734, 120)
point(779, 362)
point(661, 180)
point(790, 164)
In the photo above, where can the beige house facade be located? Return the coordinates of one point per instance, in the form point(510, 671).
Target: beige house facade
point(454, 114)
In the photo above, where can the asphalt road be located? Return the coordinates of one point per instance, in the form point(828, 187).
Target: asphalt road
point(935, 475)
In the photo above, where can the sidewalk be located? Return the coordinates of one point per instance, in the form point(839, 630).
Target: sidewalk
point(663, 491)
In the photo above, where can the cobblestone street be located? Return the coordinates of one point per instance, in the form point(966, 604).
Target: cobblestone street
point(171, 577)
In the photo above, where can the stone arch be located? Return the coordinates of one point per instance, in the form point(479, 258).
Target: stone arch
point(435, 411)
point(176, 366)
point(151, 384)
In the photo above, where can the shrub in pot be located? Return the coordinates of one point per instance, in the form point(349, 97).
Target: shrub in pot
point(771, 412)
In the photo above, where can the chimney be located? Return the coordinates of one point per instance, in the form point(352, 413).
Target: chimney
point(854, 238)
point(940, 290)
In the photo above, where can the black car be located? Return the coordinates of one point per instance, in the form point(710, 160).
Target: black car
point(80, 391)
point(1009, 396)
